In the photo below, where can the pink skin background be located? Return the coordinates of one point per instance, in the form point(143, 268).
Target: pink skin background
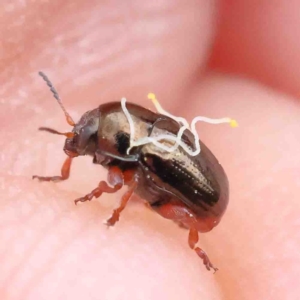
point(214, 58)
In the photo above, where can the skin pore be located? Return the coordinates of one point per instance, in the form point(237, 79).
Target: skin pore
point(234, 59)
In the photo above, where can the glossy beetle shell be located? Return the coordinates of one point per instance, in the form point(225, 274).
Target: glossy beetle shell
point(197, 182)
point(190, 190)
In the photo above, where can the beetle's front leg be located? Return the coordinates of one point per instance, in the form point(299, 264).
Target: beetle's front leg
point(65, 172)
point(114, 177)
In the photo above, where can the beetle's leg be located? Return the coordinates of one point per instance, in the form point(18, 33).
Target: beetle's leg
point(180, 213)
point(193, 240)
point(65, 172)
point(131, 179)
point(114, 177)
point(125, 198)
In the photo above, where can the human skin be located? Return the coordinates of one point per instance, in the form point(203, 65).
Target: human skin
point(231, 58)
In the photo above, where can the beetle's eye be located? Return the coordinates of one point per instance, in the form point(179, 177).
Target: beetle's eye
point(75, 139)
point(82, 139)
point(70, 147)
point(71, 142)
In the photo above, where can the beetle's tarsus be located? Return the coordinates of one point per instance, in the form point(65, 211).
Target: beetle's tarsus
point(115, 178)
point(205, 259)
point(82, 199)
point(110, 222)
point(50, 178)
point(65, 173)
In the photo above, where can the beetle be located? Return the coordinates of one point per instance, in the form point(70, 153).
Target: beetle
point(191, 190)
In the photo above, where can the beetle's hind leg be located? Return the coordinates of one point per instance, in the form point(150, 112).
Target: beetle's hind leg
point(193, 240)
point(65, 172)
point(179, 213)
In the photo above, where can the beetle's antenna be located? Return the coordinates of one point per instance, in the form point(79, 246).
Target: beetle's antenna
point(66, 134)
point(56, 96)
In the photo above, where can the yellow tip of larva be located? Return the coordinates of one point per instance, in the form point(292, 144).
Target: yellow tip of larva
point(151, 96)
point(233, 123)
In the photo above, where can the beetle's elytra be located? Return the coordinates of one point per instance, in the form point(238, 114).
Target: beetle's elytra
point(191, 190)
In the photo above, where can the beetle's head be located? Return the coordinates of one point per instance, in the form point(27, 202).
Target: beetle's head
point(83, 138)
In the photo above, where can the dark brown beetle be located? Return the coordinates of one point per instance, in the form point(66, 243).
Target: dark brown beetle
point(190, 190)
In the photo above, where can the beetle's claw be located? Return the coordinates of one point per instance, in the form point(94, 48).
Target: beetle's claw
point(88, 197)
point(108, 223)
point(209, 266)
point(48, 178)
point(79, 200)
point(40, 178)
